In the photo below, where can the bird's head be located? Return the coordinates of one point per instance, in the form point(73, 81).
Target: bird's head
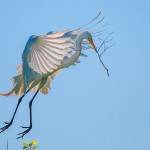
point(90, 39)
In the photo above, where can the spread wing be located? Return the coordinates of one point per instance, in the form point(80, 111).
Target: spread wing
point(44, 53)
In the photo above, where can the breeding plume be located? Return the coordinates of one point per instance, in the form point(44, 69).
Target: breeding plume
point(43, 58)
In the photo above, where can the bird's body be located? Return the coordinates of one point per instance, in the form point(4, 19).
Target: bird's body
point(42, 59)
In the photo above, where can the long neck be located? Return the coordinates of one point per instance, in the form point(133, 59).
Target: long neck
point(77, 50)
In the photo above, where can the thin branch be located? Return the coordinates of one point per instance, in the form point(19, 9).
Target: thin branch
point(104, 41)
point(99, 56)
point(106, 49)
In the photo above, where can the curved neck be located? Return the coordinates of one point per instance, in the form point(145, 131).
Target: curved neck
point(79, 39)
point(77, 50)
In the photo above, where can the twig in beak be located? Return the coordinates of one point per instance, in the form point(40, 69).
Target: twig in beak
point(99, 56)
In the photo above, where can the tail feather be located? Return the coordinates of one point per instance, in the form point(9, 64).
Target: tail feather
point(18, 85)
point(7, 94)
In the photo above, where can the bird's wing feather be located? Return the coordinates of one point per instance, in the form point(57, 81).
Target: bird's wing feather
point(44, 54)
point(19, 68)
point(57, 34)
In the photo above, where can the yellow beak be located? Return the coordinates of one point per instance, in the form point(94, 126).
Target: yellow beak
point(91, 42)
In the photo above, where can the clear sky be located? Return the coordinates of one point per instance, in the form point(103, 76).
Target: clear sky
point(85, 110)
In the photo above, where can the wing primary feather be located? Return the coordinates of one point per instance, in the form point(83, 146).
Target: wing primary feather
point(41, 63)
point(56, 49)
point(56, 34)
point(34, 63)
point(55, 40)
point(48, 66)
point(37, 61)
point(46, 62)
point(49, 56)
point(49, 63)
point(58, 45)
point(45, 54)
point(52, 53)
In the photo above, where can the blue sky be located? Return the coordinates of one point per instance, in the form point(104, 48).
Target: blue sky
point(84, 109)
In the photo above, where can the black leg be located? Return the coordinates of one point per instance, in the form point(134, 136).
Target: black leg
point(30, 127)
point(8, 124)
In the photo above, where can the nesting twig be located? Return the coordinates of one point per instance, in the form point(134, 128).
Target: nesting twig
point(87, 46)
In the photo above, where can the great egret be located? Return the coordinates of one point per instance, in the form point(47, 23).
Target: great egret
point(42, 59)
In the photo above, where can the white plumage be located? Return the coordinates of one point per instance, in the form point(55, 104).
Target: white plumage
point(42, 60)
point(44, 56)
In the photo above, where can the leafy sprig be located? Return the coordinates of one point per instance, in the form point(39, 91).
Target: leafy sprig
point(30, 145)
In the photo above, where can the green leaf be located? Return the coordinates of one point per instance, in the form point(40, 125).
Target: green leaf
point(25, 147)
point(34, 147)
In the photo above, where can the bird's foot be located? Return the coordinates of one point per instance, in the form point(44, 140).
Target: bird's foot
point(8, 124)
point(22, 134)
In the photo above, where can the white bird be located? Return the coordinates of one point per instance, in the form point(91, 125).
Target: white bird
point(42, 59)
